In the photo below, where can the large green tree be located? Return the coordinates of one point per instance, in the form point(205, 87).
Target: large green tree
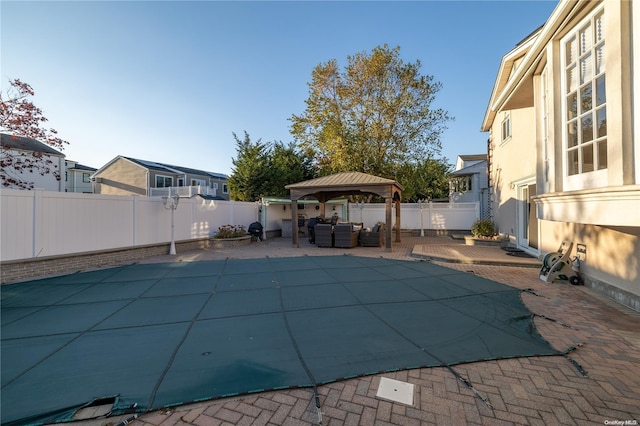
point(249, 174)
point(286, 164)
point(373, 116)
point(424, 180)
point(263, 169)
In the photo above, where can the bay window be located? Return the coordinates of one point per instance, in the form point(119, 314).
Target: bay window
point(585, 99)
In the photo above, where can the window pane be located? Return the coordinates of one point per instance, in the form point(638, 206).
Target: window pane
point(586, 68)
point(585, 98)
point(587, 158)
point(601, 93)
point(586, 39)
point(572, 106)
point(571, 50)
point(600, 59)
point(572, 79)
point(587, 128)
point(572, 133)
point(572, 162)
point(602, 154)
point(602, 122)
point(599, 21)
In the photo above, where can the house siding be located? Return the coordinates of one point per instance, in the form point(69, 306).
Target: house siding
point(48, 182)
point(122, 177)
point(512, 160)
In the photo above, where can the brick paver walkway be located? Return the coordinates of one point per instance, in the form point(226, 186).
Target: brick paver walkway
point(528, 391)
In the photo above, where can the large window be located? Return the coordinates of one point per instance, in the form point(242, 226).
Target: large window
point(585, 97)
point(164, 181)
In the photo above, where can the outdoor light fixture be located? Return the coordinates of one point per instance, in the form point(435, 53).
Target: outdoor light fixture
point(421, 205)
point(171, 203)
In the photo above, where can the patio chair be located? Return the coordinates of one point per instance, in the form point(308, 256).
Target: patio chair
point(346, 235)
point(324, 234)
point(373, 238)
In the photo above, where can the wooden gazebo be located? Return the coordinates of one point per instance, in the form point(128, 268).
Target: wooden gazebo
point(338, 185)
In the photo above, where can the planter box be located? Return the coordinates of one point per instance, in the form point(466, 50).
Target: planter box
point(473, 241)
point(222, 243)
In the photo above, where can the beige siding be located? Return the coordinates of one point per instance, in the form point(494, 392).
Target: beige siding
point(513, 160)
point(122, 177)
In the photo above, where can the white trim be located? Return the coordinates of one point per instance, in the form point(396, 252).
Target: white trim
point(538, 47)
point(596, 178)
point(635, 85)
point(155, 180)
point(612, 206)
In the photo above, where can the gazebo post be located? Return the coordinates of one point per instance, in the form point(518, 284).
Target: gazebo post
point(398, 227)
point(387, 232)
point(294, 223)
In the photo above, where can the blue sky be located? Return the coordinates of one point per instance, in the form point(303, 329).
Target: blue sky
point(170, 81)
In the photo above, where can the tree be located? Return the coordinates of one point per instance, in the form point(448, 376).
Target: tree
point(424, 180)
point(263, 169)
point(249, 173)
point(373, 117)
point(286, 164)
point(20, 117)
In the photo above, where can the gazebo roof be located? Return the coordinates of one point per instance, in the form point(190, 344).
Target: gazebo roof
point(346, 183)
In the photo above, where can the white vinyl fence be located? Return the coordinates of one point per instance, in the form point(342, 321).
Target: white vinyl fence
point(41, 223)
point(439, 216)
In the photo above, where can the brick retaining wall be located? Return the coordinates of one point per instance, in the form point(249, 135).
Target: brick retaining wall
point(24, 270)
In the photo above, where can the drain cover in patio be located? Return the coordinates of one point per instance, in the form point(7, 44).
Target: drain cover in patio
point(156, 335)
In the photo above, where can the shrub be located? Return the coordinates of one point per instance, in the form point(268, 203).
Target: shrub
point(483, 228)
point(231, 231)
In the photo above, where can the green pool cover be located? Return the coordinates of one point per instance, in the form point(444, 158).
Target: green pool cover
point(156, 335)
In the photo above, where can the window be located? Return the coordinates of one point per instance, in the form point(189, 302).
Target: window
point(461, 184)
point(66, 176)
point(585, 117)
point(164, 181)
point(198, 182)
point(85, 177)
point(506, 127)
point(225, 189)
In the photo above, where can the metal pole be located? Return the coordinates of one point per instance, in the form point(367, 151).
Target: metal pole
point(171, 203)
point(172, 247)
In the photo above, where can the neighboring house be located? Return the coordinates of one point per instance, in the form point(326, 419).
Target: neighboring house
point(77, 178)
point(31, 148)
point(468, 183)
point(126, 176)
point(564, 145)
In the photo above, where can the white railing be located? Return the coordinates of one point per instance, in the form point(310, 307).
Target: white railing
point(182, 191)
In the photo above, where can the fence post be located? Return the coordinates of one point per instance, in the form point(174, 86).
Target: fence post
point(37, 221)
point(134, 218)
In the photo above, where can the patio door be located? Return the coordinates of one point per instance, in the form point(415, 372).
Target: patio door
point(527, 219)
